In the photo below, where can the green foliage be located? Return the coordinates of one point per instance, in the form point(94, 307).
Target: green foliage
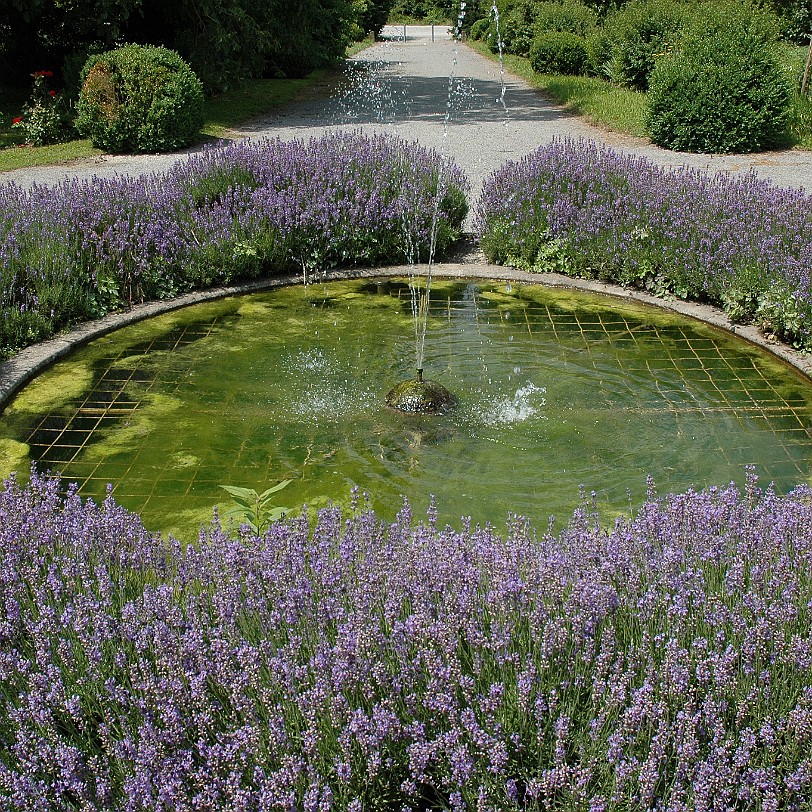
point(638, 33)
point(599, 47)
point(517, 25)
point(437, 11)
point(723, 89)
point(139, 99)
point(795, 17)
point(45, 117)
point(225, 41)
point(41, 32)
point(570, 16)
point(559, 52)
point(372, 15)
point(786, 315)
point(255, 509)
point(479, 30)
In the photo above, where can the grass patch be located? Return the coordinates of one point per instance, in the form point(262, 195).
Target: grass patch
point(15, 157)
point(598, 101)
point(232, 107)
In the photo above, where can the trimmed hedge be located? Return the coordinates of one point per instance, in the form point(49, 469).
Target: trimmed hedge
point(139, 98)
point(724, 89)
point(559, 52)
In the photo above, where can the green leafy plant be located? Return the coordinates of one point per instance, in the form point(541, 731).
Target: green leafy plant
point(255, 509)
point(45, 117)
point(639, 33)
point(140, 99)
point(571, 16)
point(559, 52)
point(723, 88)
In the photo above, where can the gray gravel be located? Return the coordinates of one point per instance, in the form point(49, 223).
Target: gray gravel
point(445, 96)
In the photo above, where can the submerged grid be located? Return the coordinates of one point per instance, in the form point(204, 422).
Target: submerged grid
point(60, 437)
point(660, 368)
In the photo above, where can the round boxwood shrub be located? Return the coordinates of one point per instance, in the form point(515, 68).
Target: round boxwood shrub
point(722, 90)
point(559, 52)
point(139, 98)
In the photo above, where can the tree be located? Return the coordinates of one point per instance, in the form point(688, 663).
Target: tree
point(39, 34)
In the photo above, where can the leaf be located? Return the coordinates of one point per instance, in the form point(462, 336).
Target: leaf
point(265, 494)
point(276, 513)
point(248, 505)
point(244, 493)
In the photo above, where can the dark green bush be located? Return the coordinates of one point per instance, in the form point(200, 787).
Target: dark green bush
point(517, 22)
point(638, 34)
point(571, 16)
point(139, 99)
point(479, 30)
point(600, 52)
point(559, 52)
point(723, 89)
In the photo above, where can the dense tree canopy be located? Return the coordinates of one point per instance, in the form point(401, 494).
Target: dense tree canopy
point(225, 41)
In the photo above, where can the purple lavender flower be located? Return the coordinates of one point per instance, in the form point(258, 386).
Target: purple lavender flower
point(586, 210)
point(337, 662)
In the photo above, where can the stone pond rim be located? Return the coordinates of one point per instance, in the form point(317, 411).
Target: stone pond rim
point(24, 366)
point(419, 396)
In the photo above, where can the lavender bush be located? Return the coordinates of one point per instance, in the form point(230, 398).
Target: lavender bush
point(585, 210)
point(85, 247)
point(664, 663)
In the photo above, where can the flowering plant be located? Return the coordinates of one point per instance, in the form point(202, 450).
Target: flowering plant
point(342, 663)
point(45, 118)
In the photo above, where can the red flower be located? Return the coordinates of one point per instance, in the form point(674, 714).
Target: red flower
point(52, 93)
point(17, 120)
point(46, 73)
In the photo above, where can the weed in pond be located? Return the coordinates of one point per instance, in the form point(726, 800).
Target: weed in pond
point(255, 509)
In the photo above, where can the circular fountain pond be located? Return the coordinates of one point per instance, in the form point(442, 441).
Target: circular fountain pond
point(555, 390)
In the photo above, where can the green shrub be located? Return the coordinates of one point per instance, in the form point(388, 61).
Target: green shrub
point(139, 99)
point(516, 26)
point(559, 52)
point(570, 15)
point(639, 33)
point(479, 29)
point(599, 47)
point(723, 89)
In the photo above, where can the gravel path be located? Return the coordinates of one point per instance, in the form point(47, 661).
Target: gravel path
point(404, 87)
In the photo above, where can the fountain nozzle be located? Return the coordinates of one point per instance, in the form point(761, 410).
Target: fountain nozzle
point(417, 396)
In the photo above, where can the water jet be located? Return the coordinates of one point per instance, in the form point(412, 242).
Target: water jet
point(554, 389)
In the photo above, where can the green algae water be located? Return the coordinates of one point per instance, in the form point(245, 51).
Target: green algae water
point(557, 393)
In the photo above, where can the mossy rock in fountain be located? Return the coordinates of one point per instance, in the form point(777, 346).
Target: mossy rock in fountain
point(417, 396)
